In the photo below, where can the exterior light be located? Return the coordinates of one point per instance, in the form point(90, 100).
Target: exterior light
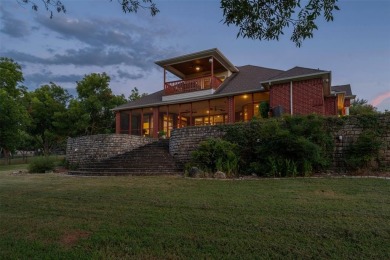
point(245, 96)
point(197, 68)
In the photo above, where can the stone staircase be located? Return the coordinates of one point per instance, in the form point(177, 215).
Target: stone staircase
point(147, 160)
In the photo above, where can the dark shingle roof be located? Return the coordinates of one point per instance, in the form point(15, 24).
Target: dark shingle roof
point(247, 79)
point(144, 101)
point(343, 88)
point(296, 72)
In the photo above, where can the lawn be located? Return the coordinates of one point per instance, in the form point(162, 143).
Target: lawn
point(53, 216)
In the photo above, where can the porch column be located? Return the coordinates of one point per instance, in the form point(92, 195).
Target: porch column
point(252, 107)
point(130, 117)
point(179, 116)
point(212, 72)
point(118, 122)
point(231, 112)
point(168, 120)
point(191, 115)
point(155, 122)
point(209, 111)
point(142, 122)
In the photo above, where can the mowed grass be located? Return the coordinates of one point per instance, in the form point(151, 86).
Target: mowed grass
point(52, 216)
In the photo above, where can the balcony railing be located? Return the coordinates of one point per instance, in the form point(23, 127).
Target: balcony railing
point(190, 85)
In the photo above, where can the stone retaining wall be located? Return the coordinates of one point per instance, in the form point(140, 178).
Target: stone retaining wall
point(93, 148)
point(185, 140)
point(350, 131)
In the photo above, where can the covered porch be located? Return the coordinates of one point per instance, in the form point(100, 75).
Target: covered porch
point(148, 121)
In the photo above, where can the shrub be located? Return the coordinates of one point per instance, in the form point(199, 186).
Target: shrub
point(363, 151)
point(216, 154)
point(264, 109)
point(289, 146)
point(41, 165)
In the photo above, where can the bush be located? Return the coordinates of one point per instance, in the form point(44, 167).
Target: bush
point(289, 146)
point(363, 151)
point(216, 154)
point(41, 165)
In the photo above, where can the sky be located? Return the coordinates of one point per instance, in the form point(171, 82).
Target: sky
point(95, 36)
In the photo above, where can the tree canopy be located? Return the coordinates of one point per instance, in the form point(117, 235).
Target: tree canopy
point(362, 107)
point(255, 19)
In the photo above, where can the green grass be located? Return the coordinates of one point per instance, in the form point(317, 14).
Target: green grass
point(18, 164)
point(53, 216)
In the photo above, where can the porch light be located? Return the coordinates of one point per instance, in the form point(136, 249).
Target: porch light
point(197, 68)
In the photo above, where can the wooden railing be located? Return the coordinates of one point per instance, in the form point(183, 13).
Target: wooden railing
point(190, 85)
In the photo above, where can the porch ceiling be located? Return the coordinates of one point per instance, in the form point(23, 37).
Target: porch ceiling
point(186, 65)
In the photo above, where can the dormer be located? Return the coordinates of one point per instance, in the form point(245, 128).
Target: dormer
point(199, 74)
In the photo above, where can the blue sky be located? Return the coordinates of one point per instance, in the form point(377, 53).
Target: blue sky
point(95, 36)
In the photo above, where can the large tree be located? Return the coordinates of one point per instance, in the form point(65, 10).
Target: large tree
point(47, 107)
point(13, 115)
point(13, 120)
point(256, 19)
point(95, 101)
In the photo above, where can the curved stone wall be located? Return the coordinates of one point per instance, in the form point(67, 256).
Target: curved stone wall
point(92, 148)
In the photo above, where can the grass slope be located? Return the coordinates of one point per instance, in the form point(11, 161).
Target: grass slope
point(61, 217)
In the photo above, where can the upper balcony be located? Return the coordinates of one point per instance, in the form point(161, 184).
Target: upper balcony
point(199, 74)
point(191, 85)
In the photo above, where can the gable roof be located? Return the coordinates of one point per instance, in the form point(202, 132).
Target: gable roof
point(343, 88)
point(247, 80)
point(295, 73)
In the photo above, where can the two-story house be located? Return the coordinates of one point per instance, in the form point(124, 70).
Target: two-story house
point(210, 90)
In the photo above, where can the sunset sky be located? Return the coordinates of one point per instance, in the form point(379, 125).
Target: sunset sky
point(95, 36)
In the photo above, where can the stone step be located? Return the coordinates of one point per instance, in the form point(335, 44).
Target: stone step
point(150, 159)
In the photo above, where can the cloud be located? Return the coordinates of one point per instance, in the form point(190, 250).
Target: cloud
point(45, 77)
point(11, 26)
point(380, 98)
point(125, 75)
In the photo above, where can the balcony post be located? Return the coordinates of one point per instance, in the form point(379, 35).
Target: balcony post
point(212, 72)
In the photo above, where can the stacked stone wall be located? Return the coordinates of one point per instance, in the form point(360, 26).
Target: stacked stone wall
point(185, 140)
point(349, 132)
point(88, 149)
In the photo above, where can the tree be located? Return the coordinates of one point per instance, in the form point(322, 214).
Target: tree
point(128, 6)
point(256, 19)
point(135, 94)
point(47, 106)
point(361, 107)
point(11, 77)
point(96, 101)
point(13, 115)
point(13, 119)
point(266, 19)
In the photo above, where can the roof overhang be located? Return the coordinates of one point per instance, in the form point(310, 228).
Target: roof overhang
point(178, 65)
point(323, 74)
point(189, 100)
